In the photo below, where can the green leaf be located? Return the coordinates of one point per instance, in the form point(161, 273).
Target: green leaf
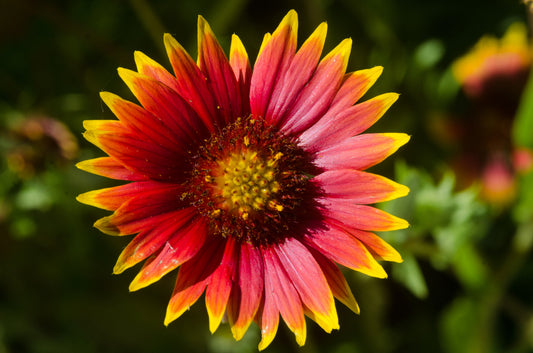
point(523, 124)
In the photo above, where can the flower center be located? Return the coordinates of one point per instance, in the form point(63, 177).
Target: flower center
point(253, 183)
point(245, 183)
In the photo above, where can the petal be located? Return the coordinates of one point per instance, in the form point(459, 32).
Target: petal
point(268, 317)
point(341, 247)
point(220, 285)
point(160, 130)
point(167, 106)
point(110, 168)
point(315, 98)
point(354, 86)
point(193, 277)
point(379, 248)
point(361, 216)
point(192, 85)
point(280, 286)
point(148, 67)
point(336, 281)
point(273, 60)
point(309, 280)
point(111, 198)
point(141, 212)
point(300, 71)
point(220, 77)
point(184, 242)
point(143, 157)
point(151, 240)
point(135, 152)
point(360, 187)
point(250, 279)
point(361, 151)
point(348, 123)
point(238, 59)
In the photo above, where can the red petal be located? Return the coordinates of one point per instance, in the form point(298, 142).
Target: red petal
point(361, 216)
point(193, 277)
point(361, 151)
point(285, 295)
point(138, 154)
point(140, 213)
point(272, 62)
point(377, 246)
point(348, 123)
point(192, 83)
point(336, 281)
point(112, 198)
point(220, 78)
point(250, 279)
point(185, 241)
point(238, 59)
point(302, 67)
point(151, 240)
point(309, 280)
point(167, 106)
point(346, 250)
point(110, 168)
point(315, 98)
point(360, 187)
point(221, 282)
point(148, 67)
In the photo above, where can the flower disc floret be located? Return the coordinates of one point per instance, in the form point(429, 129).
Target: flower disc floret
point(250, 181)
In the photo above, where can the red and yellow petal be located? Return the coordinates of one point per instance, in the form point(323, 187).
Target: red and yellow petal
point(193, 278)
point(361, 151)
point(238, 59)
point(315, 98)
point(301, 69)
point(220, 285)
point(273, 60)
point(285, 296)
point(151, 68)
point(336, 281)
point(360, 187)
point(112, 198)
point(348, 123)
point(184, 241)
point(361, 217)
point(309, 281)
point(220, 77)
point(141, 212)
point(192, 86)
point(110, 168)
point(354, 86)
point(379, 248)
point(248, 292)
point(134, 151)
point(152, 240)
point(346, 250)
point(167, 106)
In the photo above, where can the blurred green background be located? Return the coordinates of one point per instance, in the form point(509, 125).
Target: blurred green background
point(465, 285)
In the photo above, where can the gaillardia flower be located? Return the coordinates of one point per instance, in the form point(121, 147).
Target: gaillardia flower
point(250, 181)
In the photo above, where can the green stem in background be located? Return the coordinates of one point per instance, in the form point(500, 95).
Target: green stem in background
point(493, 295)
point(151, 22)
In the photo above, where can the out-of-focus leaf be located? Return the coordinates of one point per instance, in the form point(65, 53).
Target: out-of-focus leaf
point(523, 124)
point(523, 210)
point(458, 324)
point(410, 275)
point(429, 53)
point(469, 267)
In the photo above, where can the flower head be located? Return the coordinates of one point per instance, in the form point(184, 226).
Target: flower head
point(251, 182)
point(496, 67)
